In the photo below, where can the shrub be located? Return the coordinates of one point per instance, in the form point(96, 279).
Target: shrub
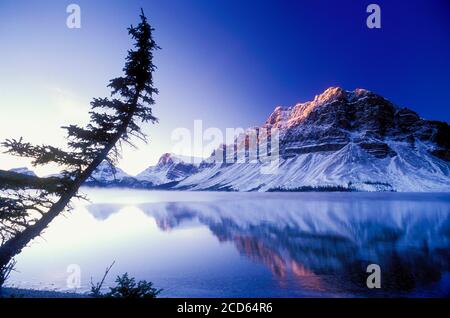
point(128, 288)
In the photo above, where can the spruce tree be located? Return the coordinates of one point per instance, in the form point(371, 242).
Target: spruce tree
point(28, 204)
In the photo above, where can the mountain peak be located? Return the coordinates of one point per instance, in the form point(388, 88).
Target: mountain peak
point(171, 158)
point(107, 172)
point(285, 117)
point(166, 158)
point(330, 94)
point(170, 167)
point(291, 116)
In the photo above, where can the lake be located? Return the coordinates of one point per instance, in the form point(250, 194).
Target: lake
point(223, 244)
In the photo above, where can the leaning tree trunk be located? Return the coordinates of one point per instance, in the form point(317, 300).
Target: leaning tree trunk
point(15, 245)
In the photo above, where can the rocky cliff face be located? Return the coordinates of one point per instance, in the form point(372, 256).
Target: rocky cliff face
point(337, 117)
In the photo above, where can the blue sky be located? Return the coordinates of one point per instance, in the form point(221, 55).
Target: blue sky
point(227, 62)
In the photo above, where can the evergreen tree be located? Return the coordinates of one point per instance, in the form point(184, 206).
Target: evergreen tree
point(28, 204)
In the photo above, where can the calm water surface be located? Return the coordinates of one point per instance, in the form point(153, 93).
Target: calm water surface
point(203, 244)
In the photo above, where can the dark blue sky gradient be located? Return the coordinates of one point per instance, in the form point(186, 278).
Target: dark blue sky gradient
point(287, 51)
point(282, 52)
point(267, 53)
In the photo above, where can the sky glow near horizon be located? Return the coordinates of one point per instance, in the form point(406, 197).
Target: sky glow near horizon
point(227, 63)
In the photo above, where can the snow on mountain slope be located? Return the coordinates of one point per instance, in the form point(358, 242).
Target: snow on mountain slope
point(108, 176)
point(169, 168)
point(356, 140)
point(348, 167)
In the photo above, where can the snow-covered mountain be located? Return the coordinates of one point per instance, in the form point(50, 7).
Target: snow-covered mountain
point(169, 168)
point(342, 139)
point(107, 175)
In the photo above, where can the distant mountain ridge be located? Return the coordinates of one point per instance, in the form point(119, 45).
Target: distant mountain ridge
point(169, 168)
point(342, 140)
point(107, 175)
point(23, 170)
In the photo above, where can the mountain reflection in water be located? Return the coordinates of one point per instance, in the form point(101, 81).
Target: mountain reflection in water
point(325, 243)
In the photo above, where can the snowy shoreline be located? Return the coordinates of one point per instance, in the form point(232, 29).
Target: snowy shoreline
point(11, 292)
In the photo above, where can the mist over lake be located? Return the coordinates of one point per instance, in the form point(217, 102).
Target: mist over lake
point(205, 244)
